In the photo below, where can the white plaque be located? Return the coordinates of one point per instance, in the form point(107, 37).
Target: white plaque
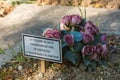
point(42, 48)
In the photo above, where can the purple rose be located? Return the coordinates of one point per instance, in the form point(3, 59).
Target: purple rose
point(87, 50)
point(50, 33)
point(87, 37)
point(99, 49)
point(104, 54)
point(103, 38)
point(66, 20)
point(56, 34)
point(105, 48)
point(93, 56)
point(69, 39)
point(91, 28)
point(76, 19)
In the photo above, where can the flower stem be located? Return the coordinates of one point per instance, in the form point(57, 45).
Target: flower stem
point(72, 49)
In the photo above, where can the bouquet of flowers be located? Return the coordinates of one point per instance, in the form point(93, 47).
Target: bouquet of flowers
point(81, 41)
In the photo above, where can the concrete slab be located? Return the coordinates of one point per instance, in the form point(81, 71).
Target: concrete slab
point(31, 19)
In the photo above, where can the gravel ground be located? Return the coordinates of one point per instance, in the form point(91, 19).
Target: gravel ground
point(30, 69)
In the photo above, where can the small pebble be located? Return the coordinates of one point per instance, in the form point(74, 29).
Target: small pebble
point(20, 68)
point(40, 75)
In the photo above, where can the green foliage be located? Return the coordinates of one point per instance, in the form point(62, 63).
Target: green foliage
point(18, 2)
point(72, 56)
point(86, 61)
point(102, 62)
point(78, 47)
point(2, 51)
point(12, 50)
point(81, 13)
point(17, 57)
point(97, 39)
point(91, 65)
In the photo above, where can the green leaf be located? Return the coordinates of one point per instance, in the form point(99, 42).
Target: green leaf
point(93, 65)
point(19, 58)
point(90, 68)
point(78, 46)
point(102, 62)
point(80, 11)
point(86, 62)
point(98, 20)
point(72, 57)
point(58, 27)
point(83, 22)
point(13, 52)
point(64, 44)
point(2, 51)
point(84, 13)
point(97, 39)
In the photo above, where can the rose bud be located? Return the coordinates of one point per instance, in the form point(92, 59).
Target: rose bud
point(105, 48)
point(76, 19)
point(103, 38)
point(91, 28)
point(104, 54)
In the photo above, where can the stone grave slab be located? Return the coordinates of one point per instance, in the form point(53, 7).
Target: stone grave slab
point(32, 19)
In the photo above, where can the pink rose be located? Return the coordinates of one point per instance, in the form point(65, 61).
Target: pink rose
point(50, 33)
point(69, 39)
point(87, 37)
point(91, 28)
point(49, 36)
point(76, 19)
point(88, 50)
point(103, 38)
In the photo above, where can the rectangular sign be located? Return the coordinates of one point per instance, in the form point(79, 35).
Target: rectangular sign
point(42, 48)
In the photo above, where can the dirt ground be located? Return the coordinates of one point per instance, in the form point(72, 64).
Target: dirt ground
point(30, 69)
point(6, 7)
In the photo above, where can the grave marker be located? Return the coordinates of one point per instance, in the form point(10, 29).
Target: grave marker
point(45, 49)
